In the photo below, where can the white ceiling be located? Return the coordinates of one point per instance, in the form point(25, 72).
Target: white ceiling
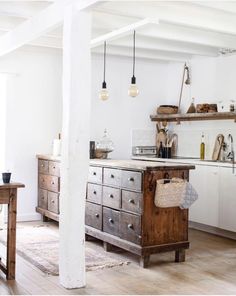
point(184, 29)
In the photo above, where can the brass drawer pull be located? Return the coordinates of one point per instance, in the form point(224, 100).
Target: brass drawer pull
point(131, 201)
point(111, 195)
point(95, 192)
point(131, 179)
point(94, 173)
point(97, 215)
point(112, 176)
point(130, 226)
point(111, 220)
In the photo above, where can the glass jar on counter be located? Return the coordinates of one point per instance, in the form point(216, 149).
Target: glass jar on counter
point(104, 146)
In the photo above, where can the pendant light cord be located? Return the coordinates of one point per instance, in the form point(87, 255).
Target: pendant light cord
point(134, 54)
point(104, 61)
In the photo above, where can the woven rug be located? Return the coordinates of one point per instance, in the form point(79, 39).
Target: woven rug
point(39, 245)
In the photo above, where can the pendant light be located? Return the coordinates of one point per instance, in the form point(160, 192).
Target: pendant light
point(133, 90)
point(104, 95)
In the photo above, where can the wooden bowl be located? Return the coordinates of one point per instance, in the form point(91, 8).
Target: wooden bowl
point(167, 109)
point(101, 153)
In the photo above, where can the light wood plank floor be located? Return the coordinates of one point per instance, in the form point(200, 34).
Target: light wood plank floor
point(210, 268)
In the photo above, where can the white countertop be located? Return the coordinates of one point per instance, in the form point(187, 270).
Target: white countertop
point(185, 161)
point(48, 157)
point(139, 165)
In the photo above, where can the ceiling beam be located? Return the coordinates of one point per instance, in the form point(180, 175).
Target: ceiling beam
point(144, 53)
point(39, 25)
point(227, 6)
point(45, 41)
point(121, 32)
point(180, 13)
point(148, 43)
point(166, 31)
point(22, 9)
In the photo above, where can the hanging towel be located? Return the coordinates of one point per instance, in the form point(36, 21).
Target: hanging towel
point(174, 192)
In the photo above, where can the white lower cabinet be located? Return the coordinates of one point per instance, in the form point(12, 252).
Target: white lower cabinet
point(227, 202)
point(216, 204)
point(205, 180)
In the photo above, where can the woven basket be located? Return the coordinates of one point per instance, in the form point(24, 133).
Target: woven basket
point(167, 109)
point(169, 194)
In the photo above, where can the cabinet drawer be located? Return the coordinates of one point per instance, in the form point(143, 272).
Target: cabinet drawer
point(43, 166)
point(49, 182)
point(111, 221)
point(95, 174)
point(94, 193)
point(130, 227)
point(131, 180)
point(111, 197)
point(43, 199)
point(53, 202)
point(54, 168)
point(112, 177)
point(93, 215)
point(132, 201)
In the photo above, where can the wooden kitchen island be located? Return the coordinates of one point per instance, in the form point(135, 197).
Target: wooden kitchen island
point(120, 208)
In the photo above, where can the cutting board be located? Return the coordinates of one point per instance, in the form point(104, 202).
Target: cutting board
point(218, 146)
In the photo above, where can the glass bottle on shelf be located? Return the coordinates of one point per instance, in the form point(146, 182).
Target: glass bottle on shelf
point(202, 148)
point(192, 108)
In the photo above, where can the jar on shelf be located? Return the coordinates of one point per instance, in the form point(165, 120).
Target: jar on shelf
point(104, 146)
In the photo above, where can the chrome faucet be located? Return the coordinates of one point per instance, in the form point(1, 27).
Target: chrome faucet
point(231, 153)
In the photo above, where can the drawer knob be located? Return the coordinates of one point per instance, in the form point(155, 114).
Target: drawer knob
point(131, 201)
point(54, 167)
point(111, 220)
point(94, 173)
point(52, 183)
point(42, 165)
point(130, 226)
point(111, 195)
point(97, 215)
point(112, 176)
point(131, 179)
point(53, 201)
point(95, 192)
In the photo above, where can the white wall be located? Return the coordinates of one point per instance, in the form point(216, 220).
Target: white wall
point(34, 107)
point(33, 117)
point(121, 113)
point(213, 80)
point(3, 86)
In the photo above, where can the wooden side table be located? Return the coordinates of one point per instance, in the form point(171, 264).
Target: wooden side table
point(8, 195)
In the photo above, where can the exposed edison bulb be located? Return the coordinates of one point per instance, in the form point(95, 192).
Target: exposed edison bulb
point(103, 94)
point(133, 89)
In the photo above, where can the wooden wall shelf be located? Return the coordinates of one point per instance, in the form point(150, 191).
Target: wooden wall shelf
point(194, 117)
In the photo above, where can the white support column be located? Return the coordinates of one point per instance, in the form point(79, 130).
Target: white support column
point(75, 145)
